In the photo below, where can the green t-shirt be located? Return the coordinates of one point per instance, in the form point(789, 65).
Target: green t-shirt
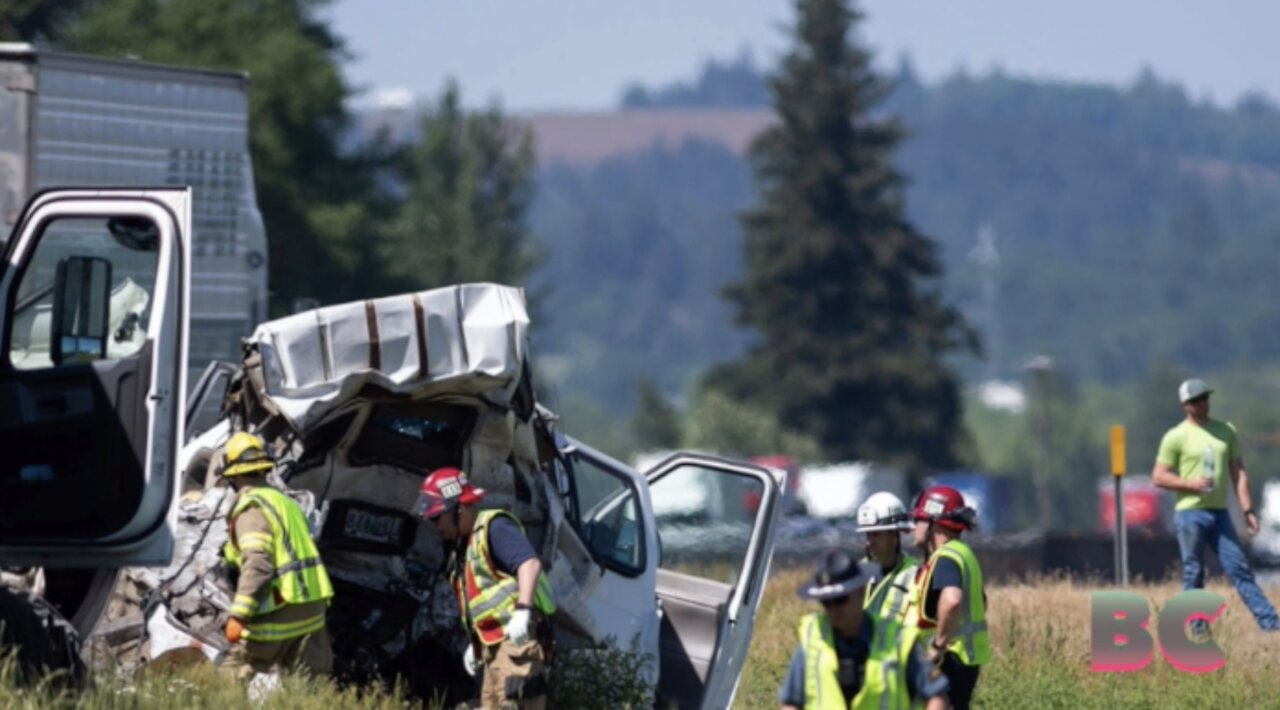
point(1193, 451)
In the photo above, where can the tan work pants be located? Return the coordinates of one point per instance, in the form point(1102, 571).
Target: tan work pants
point(515, 677)
point(310, 654)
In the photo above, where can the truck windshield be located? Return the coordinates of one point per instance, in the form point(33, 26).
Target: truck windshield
point(133, 276)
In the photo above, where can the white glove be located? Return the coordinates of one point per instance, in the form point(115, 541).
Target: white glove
point(469, 660)
point(518, 628)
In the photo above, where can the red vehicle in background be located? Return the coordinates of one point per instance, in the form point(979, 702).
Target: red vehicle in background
point(1146, 507)
point(791, 504)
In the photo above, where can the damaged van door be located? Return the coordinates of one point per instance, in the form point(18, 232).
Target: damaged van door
point(681, 575)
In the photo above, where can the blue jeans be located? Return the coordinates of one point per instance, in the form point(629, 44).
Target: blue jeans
point(1197, 528)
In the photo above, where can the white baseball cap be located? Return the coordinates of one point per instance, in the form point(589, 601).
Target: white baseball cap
point(1191, 389)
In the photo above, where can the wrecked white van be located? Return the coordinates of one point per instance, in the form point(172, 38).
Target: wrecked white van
point(358, 402)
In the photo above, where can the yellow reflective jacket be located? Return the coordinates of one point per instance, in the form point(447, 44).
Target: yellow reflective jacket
point(971, 644)
point(487, 595)
point(884, 682)
point(299, 575)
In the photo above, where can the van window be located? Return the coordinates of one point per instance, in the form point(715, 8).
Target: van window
point(416, 437)
point(611, 525)
point(705, 520)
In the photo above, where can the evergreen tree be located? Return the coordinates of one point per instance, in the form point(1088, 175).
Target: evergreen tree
point(840, 286)
point(320, 203)
point(35, 20)
point(656, 424)
point(468, 184)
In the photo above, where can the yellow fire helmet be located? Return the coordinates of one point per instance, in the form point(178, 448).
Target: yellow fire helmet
point(244, 454)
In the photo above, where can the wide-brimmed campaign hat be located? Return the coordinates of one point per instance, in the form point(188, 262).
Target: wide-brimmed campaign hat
point(838, 575)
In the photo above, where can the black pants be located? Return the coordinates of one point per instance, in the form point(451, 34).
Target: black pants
point(963, 679)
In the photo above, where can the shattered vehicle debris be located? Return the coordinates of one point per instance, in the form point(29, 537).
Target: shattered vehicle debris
point(358, 402)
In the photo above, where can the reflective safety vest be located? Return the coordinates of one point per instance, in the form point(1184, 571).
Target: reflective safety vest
point(884, 679)
point(490, 595)
point(300, 576)
point(891, 596)
point(971, 644)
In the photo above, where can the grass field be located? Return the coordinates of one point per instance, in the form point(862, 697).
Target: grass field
point(201, 687)
point(1040, 633)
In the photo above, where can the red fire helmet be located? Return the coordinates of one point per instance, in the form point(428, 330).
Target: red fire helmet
point(945, 506)
point(443, 490)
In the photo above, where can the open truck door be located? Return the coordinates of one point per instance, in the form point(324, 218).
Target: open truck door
point(92, 384)
point(716, 521)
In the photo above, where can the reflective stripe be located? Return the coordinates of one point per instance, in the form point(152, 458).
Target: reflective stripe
point(812, 639)
point(298, 566)
point(284, 537)
point(272, 632)
point(887, 670)
point(971, 643)
point(298, 574)
point(488, 595)
point(884, 683)
point(821, 685)
point(243, 605)
point(892, 595)
point(967, 630)
point(493, 597)
point(254, 537)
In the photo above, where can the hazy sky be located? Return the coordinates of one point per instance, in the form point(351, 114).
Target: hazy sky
point(578, 54)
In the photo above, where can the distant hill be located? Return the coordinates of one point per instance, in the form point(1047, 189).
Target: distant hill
point(1128, 223)
point(588, 139)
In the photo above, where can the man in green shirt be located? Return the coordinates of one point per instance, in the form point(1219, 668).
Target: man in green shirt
point(1191, 462)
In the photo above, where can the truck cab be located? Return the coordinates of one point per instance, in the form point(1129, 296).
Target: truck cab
point(90, 121)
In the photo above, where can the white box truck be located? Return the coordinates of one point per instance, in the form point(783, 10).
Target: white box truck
point(72, 120)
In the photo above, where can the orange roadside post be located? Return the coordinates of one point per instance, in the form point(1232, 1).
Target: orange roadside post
point(1121, 535)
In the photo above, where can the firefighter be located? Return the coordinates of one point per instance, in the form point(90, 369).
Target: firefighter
point(850, 658)
point(282, 590)
point(950, 599)
point(503, 595)
point(883, 518)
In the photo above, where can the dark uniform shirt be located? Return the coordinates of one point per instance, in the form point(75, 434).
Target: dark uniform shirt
point(946, 573)
point(508, 546)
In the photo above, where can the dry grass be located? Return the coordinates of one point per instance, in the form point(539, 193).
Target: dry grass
point(1041, 634)
point(196, 687)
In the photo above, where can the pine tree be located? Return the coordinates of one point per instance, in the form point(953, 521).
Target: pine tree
point(656, 423)
point(468, 183)
point(320, 203)
point(36, 21)
point(840, 286)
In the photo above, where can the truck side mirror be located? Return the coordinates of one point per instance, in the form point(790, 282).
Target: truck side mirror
point(81, 310)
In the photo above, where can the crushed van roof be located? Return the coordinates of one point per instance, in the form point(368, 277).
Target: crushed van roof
point(470, 338)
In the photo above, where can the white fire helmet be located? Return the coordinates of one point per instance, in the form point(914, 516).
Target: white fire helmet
point(883, 511)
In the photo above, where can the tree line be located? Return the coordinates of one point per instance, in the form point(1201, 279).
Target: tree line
point(853, 296)
point(1132, 226)
point(347, 216)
